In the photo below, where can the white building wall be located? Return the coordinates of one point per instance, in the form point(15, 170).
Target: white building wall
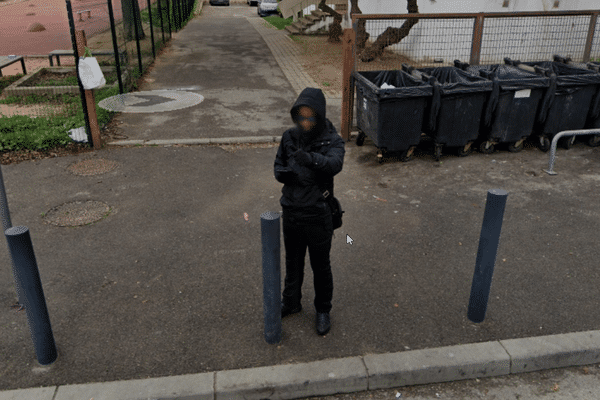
point(512, 37)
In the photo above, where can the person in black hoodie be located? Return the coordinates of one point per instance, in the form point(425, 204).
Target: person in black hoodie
point(308, 157)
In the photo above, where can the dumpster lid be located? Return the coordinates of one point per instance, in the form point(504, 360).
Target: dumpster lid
point(510, 77)
point(404, 84)
point(568, 74)
point(454, 80)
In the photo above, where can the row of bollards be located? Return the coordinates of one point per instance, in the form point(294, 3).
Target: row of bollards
point(480, 287)
point(31, 294)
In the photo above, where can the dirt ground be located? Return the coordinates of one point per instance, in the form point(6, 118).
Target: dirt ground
point(323, 61)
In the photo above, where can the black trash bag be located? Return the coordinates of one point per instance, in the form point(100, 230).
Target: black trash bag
point(548, 99)
point(404, 84)
point(450, 81)
point(510, 78)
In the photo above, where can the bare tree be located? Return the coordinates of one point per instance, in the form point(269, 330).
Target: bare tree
point(335, 30)
point(390, 36)
point(361, 34)
point(129, 7)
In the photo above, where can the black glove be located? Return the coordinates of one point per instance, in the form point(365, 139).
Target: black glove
point(302, 158)
point(286, 176)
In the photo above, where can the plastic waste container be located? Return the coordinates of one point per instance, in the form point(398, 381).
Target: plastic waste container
point(572, 90)
point(455, 108)
point(509, 114)
point(390, 108)
point(593, 121)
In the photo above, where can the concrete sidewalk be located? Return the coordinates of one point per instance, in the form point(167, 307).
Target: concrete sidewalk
point(162, 298)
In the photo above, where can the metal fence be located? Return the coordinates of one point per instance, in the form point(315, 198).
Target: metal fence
point(482, 38)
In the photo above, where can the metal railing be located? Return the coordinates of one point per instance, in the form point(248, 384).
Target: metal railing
point(549, 171)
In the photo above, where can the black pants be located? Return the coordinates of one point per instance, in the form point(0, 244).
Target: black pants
point(297, 236)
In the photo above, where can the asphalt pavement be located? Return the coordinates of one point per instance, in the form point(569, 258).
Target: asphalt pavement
point(168, 284)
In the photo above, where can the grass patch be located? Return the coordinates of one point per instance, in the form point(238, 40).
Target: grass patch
point(21, 132)
point(279, 23)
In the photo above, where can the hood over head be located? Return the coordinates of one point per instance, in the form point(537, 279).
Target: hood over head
point(315, 99)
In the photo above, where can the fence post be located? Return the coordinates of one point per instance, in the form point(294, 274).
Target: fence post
point(477, 35)
point(486, 254)
point(111, 17)
point(348, 39)
point(271, 256)
point(89, 94)
point(162, 26)
point(151, 29)
point(137, 40)
point(28, 275)
point(590, 37)
point(88, 129)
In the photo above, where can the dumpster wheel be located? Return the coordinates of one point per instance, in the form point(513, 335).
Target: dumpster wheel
point(543, 143)
point(517, 146)
point(567, 142)
point(486, 147)
point(465, 151)
point(437, 152)
point(594, 141)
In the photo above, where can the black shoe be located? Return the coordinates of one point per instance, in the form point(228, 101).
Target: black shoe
point(285, 311)
point(323, 323)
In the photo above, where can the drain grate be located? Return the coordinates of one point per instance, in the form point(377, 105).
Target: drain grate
point(77, 213)
point(92, 166)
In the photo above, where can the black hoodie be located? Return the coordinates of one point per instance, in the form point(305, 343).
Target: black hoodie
point(302, 197)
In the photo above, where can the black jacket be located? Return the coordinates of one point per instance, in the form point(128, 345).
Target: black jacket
point(301, 194)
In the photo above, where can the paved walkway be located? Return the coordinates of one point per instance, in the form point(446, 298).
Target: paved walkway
point(288, 57)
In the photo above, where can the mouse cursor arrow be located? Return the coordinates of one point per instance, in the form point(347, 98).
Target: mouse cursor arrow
point(349, 239)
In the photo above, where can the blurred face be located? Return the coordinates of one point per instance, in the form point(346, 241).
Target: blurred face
point(306, 118)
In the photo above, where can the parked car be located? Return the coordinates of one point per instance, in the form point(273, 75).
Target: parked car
point(266, 7)
point(213, 2)
point(252, 2)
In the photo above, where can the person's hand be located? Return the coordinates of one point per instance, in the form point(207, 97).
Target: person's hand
point(302, 158)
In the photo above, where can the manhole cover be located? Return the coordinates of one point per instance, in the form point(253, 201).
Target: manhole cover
point(93, 166)
point(77, 213)
point(151, 101)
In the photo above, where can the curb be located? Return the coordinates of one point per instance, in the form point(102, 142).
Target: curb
point(229, 140)
point(345, 375)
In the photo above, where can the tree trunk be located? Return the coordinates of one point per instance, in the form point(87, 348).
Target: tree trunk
point(361, 34)
point(129, 7)
point(335, 30)
point(391, 35)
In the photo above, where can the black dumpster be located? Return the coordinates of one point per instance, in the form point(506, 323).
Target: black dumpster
point(454, 111)
point(573, 90)
point(509, 114)
point(391, 117)
point(593, 120)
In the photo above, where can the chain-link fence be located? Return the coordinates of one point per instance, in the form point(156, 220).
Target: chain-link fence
point(484, 38)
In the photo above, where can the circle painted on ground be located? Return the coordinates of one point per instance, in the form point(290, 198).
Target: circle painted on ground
point(151, 101)
point(77, 213)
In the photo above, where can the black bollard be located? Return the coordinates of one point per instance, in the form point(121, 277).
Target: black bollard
point(6, 223)
point(270, 232)
point(28, 277)
point(486, 254)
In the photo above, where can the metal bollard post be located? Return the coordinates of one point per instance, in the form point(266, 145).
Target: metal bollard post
point(28, 276)
point(486, 254)
point(6, 223)
point(270, 231)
